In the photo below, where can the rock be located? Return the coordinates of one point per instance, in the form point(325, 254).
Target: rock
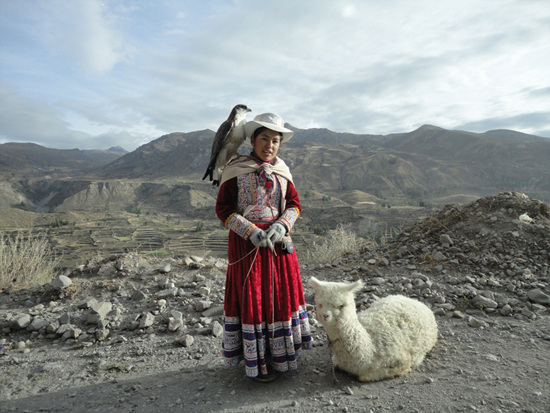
point(525, 218)
point(187, 261)
point(439, 312)
point(170, 292)
point(217, 329)
point(38, 324)
point(199, 278)
point(20, 322)
point(107, 270)
point(202, 305)
point(175, 321)
point(146, 320)
point(213, 311)
point(72, 332)
point(506, 310)
point(65, 319)
point(476, 323)
point(119, 265)
point(485, 302)
point(445, 239)
point(60, 283)
point(138, 295)
point(98, 312)
point(20, 345)
point(53, 327)
point(102, 334)
point(186, 341)
point(197, 258)
point(87, 303)
point(47, 367)
point(165, 269)
point(537, 296)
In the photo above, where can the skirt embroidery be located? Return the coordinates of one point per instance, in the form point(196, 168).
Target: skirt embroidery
point(279, 344)
point(265, 317)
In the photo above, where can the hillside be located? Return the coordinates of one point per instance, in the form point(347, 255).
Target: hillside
point(422, 165)
point(345, 178)
point(145, 333)
point(175, 154)
point(30, 159)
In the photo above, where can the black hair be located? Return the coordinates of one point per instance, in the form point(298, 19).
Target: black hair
point(258, 131)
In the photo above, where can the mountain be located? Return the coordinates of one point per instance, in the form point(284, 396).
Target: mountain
point(175, 154)
point(510, 135)
point(322, 135)
point(429, 165)
point(32, 159)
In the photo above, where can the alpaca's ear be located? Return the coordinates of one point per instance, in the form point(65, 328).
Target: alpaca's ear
point(314, 282)
point(356, 286)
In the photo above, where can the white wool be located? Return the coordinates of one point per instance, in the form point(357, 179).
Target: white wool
point(384, 341)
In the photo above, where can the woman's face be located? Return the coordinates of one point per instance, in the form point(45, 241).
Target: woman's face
point(266, 144)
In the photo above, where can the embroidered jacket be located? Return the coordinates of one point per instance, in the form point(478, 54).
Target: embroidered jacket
point(244, 201)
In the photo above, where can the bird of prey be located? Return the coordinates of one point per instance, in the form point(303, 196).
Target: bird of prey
point(229, 137)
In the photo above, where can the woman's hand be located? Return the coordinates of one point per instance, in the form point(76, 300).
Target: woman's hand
point(258, 238)
point(276, 232)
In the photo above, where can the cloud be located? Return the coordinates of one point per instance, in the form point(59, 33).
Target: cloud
point(527, 122)
point(26, 120)
point(136, 70)
point(84, 32)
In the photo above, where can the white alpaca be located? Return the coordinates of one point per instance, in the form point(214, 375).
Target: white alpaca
point(386, 340)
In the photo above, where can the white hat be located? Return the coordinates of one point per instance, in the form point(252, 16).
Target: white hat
point(270, 121)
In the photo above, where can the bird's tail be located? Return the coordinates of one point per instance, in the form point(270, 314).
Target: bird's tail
point(209, 171)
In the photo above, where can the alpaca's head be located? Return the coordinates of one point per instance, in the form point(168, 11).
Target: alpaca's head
point(334, 300)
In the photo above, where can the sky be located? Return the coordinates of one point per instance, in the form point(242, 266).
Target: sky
point(92, 74)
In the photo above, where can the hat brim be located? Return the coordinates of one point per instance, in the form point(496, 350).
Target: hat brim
point(251, 126)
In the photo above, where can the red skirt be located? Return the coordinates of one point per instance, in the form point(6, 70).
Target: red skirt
point(265, 317)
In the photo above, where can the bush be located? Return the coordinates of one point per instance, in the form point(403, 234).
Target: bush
point(26, 260)
point(338, 242)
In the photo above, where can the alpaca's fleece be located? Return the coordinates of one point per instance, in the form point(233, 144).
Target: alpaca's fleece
point(384, 341)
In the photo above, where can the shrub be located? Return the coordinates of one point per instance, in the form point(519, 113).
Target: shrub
point(26, 260)
point(337, 243)
point(200, 226)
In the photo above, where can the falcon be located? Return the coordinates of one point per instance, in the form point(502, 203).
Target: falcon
point(229, 137)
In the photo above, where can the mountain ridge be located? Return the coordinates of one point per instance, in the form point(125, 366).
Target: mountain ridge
point(425, 166)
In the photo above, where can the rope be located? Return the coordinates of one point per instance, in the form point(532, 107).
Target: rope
point(272, 272)
point(335, 380)
point(251, 251)
point(257, 249)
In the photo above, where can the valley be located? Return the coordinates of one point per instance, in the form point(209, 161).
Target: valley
point(175, 219)
point(152, 200)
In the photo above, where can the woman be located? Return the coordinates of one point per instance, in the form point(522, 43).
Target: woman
point(265, 318)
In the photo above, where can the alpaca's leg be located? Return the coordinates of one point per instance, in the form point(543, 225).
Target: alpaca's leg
point(417, 360)
point(334, 361)
point(367, 377)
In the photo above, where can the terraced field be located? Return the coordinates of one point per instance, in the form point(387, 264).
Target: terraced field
point(77, 237)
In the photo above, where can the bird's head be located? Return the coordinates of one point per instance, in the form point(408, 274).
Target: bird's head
point(241, 109)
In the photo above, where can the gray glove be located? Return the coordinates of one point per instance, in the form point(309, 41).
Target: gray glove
point(258, 238)
point(276, 232)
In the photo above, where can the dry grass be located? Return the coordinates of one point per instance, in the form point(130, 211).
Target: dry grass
point(26, 260)
point(337, 243)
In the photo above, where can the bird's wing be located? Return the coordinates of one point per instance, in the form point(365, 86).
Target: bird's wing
point(220, 139)
point(217, 145)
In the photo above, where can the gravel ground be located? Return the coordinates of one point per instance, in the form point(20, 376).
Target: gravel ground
point(136, 334)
